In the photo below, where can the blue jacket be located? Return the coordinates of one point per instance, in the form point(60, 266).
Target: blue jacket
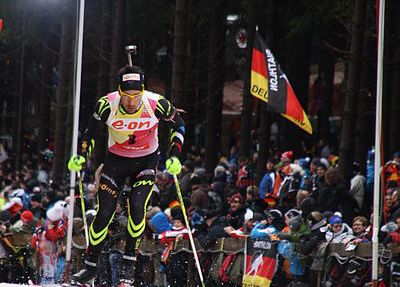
point(286, 249)
point(262, 231)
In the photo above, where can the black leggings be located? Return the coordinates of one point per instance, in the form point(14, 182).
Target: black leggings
point(141, 173)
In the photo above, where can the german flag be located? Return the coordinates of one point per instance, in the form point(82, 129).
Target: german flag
point(260, 263)
point(270, 84)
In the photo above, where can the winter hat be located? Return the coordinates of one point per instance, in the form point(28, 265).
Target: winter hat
point(36, 189)
point(292, 213)
point(389, 227)
point(325, 162)
point(26, 216)
point(287, 156)
point(14, 205)
point(131, 78)
point(237, 196)
point(219, 170)
point(335, 220)
point(303, 162)
point(57, 211)
point(248, 215)
point(160, 222)
point(177, 214)
point(274, 214)
point(295, 223)
point(36, 197)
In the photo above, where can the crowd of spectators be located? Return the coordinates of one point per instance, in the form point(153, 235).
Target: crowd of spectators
point(301, 203)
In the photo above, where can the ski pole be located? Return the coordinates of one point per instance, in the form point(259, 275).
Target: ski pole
point(196, 258)
point(83, 208)
point(129, 50)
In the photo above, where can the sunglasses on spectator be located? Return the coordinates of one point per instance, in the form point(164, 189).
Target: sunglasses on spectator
point(336, 225)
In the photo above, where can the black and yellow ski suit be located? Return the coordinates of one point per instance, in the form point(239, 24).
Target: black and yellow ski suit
point(132, 152)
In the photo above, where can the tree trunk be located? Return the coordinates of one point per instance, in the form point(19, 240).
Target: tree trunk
point(179, 53)
point(265, 116)
point(297, 69)
point(326, 73)
point(21, 103)
point(248, 99)
point(346, 151)
point(215, 83)
point(45, 99)
point(365, 111)
point(104, 76)
point(103, 82)
point(117, 40)
point(62, 102)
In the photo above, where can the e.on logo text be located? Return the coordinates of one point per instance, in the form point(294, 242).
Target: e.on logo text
point(131, 125)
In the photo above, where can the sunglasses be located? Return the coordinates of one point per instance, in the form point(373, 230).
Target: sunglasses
point(132, 96)
point(336, 225)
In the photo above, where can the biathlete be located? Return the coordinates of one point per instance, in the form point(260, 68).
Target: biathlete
point(132, 115)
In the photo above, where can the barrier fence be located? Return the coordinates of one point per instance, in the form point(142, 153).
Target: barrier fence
point(217, 253)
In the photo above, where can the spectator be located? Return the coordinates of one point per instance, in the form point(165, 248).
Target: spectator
point(338, 230)
point(253, 201)
point(267, 183)
point(357, 185)
point(26, 224)
point(44, 241)
point(176, 265)
point(268, 228)
point(36, 206)
point(360, 225)
point(334, 196)
point(237, 211)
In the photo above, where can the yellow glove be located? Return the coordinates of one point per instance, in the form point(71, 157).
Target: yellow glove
point(76, 162)
point(173, 165)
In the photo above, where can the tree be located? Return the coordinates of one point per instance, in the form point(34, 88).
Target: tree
point(117, 40)
point(62, 101)
point(215, 82)
point(346, 151)
point(265, 116)
point(179, 52)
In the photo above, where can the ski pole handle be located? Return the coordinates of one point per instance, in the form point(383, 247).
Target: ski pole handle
point(129, 50)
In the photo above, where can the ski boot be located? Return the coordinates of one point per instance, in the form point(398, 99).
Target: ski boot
point(88, 273)
point(127, 274)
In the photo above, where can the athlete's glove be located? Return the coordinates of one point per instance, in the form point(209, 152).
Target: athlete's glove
point(76, 163)
point(87, 147)
point(173, 165)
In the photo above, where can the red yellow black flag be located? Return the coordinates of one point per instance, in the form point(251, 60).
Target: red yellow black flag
point(270, 84)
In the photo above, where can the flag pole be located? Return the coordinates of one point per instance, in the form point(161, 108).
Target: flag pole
point(378, 120)
point(77, 93)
